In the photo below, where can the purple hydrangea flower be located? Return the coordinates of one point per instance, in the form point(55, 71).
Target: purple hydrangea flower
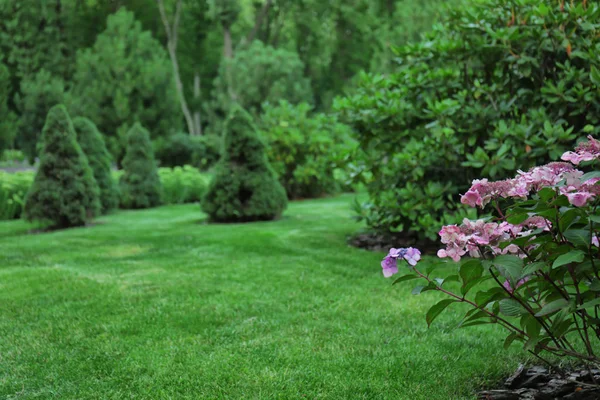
point(389, 265)
point(390, 262)
point(412, 256)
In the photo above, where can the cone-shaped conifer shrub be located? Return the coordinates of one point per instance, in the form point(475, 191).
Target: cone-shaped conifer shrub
point(140, 184)
point(92, 144)
point(64, 192)
point(244, 187)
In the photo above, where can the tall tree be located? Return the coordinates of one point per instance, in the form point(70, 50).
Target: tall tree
point(124, 78)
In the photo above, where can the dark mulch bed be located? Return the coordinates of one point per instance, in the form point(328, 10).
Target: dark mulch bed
point(379, 242)
point(540, 383)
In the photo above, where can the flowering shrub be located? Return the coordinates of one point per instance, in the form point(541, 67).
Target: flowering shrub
point(501, 84)
point(534, 265)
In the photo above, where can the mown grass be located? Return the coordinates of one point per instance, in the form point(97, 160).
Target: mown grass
point(156, 304)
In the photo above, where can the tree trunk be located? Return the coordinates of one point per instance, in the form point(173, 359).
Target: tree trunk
point(172, 47)
point(197, 115)
point(228, 55)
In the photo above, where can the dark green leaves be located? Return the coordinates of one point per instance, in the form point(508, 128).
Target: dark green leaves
point(552, 307)
point(579, 237)
point(436, 309)
point(511, 267)
point(511, 308)
point(570, 257)
point(405, 278)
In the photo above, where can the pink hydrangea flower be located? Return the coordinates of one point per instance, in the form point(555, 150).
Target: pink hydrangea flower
point(585, 151)
point(579, 199)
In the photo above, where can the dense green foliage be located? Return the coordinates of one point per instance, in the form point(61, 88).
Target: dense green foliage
point(305, 150)
point(8, 120)
point(92, 144)
point(156, 305)
point(13, 189)
point(182, 184)
point(183, 149)
point(125, 77)
point(9, 157)
point(244, 187)
point(39, 93)
point(499, 86)
point(262, 74)
point(64, 192)
point(140, 185)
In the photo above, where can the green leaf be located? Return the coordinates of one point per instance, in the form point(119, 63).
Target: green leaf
point(510, 338)
point(436, 309)
point(589, 304)
point(570, 257)
point(595, 218)
point(532, 268)
point(511, 308)
point(517, 218)
point(552, 307)
point(510, 266)
point(595, 76)
point(405, 278)
point(579, 237)
point(590, 175)
point(470, 271)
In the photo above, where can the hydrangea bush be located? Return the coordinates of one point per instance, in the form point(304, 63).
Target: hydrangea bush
point(532, 265)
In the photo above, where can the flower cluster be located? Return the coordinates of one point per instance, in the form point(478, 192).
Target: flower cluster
point(483, 191)
point(390, 262)
point(577, 191)
point(471, 236)
point(585, 151)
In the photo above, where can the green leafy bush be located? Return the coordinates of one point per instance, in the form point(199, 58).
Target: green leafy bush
point(12, 157)
point(244, 187)
point(64, 192)
point(92, 144)
point(13, 190)
point(261, 74)
point(39, 93)
point(305, 150)
point(125, 77)
point(140, 185)
point(182, 184)
point(183, 149)
point(501, 84)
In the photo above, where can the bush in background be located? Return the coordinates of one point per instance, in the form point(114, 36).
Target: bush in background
point(305, 150)
point(92, 144)
point(183, 149)
point(182, 184)
point(245, 187)
point(261, 74)
point(125, 77)
point(64, 192)
point(13, 190)
point(500, 85)
point(12, 157)
point(140, 185)
point(39, 93)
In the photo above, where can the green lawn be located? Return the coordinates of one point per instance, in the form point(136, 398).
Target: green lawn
point(156, 304)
